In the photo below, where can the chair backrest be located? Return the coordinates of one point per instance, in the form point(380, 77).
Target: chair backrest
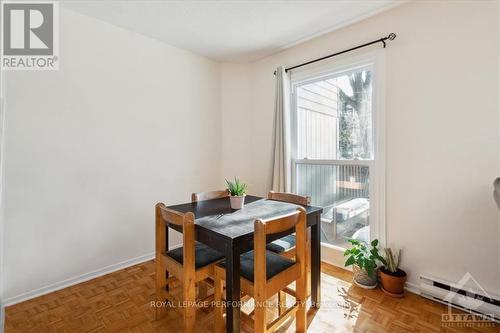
point(264, 228)
point(289, 197)
point(165, 217)
point(209, 195)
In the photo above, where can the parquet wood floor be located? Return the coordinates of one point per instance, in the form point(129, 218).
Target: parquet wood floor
point(121, 302)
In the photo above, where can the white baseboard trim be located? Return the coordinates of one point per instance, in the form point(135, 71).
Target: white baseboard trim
point(110, 269)
point(81, 278)
point(77, 279)
point(411, 287)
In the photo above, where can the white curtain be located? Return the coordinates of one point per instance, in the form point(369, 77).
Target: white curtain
point(282, 158)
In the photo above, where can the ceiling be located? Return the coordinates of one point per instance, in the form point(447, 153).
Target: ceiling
point(231, 31)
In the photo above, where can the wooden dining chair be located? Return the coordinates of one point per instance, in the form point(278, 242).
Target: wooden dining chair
point(265, 274)
point(285, 246)
point(203, 286)
point(188, 265)
point(209, 195)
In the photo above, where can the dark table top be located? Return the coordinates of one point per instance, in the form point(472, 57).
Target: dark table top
point(232, 223)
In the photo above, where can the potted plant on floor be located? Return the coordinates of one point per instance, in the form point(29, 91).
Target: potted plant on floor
point(391, 276)
point(237, 190)
point(363, 257)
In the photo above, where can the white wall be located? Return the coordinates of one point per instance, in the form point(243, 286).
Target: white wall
point(126, 122)
point(235, 100)
point(442, 130)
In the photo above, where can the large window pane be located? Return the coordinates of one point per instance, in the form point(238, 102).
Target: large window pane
point(334, 149)
point(343, 192)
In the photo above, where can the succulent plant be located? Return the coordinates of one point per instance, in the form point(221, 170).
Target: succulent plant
point(236, 188)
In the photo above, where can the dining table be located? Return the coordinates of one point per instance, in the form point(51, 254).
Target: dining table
point(231, 231)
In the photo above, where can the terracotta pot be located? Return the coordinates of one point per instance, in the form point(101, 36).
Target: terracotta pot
point(237, 202)
point(393, 284)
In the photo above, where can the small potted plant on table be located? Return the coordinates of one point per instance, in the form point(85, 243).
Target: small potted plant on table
point(363, 257)
point(237, 190)
point(391, 276)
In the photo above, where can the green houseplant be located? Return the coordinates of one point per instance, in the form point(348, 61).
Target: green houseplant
point(393, 278)
point(363, 257)
point(238, 190)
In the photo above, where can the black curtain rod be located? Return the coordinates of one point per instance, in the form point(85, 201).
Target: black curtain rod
point(391, 36)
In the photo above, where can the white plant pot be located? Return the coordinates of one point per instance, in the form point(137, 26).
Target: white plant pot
point(237, 202)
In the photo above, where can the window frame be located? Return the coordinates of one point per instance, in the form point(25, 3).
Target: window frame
point(375, 60)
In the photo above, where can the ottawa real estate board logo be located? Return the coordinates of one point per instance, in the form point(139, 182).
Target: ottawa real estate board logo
point(29, 35)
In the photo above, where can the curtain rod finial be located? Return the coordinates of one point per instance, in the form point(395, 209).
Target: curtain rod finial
point(391, 36)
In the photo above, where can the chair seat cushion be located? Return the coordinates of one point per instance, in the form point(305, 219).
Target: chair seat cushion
point(204, 255)
point(275, 264)
point(283, 244)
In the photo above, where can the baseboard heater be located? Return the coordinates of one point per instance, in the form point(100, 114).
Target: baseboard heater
point(461, 296)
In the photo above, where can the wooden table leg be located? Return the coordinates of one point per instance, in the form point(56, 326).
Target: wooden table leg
point(316, 262)
point(232, 290)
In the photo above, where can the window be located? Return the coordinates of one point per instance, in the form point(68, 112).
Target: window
point(334, 150)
